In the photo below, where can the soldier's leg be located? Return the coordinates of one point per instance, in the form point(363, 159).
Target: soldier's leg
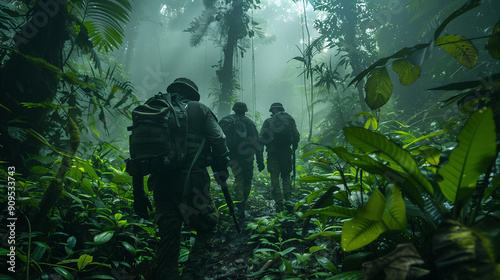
point(238, 171)
point(169, 224)
point(273, 166)
point(247, 185)
point(205, 224)
point(286, 169)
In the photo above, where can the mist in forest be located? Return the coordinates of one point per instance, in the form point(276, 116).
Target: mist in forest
point(161, 53)
point(157, 50)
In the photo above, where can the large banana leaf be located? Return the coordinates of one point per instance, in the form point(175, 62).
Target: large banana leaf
point(400, 161)
point(104, 20)
point(377, 216)
point(471, 158)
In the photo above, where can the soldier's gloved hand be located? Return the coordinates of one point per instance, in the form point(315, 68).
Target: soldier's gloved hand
point(221, 176)
point(260, 166)
point(141, 205)
point(294, 146)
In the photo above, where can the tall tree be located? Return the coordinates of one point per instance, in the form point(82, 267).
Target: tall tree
point(233, 25)
point(35, 65)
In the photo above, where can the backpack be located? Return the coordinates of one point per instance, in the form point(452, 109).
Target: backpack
point(281, 126)
point(235, 130)
point(158, 142)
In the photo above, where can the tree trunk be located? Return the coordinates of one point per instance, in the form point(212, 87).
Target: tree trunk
point(42, 36)
point(236, 27)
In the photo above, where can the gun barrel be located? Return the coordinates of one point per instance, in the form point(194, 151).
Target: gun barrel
point(230, 204)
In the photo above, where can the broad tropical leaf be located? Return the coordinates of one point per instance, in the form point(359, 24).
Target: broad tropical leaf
point(407, 73)
point(431, 154)
point(400, 161)
point(395, 209)
point(378, 88)
point(471, 158)
point(494, 42)
point(366, 225)
point(460, 48)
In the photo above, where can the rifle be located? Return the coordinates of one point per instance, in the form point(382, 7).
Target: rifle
point(229, 202)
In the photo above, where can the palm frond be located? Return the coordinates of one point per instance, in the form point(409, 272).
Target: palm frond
point(104, 20)
point(199, 26)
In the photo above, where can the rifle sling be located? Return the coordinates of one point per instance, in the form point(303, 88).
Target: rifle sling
point(185, 193)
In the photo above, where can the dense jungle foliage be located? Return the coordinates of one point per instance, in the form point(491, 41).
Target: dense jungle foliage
point(397, 176)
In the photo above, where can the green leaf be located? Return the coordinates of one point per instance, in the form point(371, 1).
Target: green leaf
point(366, 225)
point(90, 170)
point(332, 211)
point(405, 169)
point(430, 135)
point(431, 154)
point(471, 158)
point(460, 48)
point(395, 209)
point(103, 237)
point(407, 73)
point(84, 260)
point(362, 161)
point(92, 125)
point(316, 248)
point(64, 273)
point(129, 248)
point(493, 46)
point(319, 178)
point(104, 21)
point(378, 88)
point(326, 263)
point(38, 253)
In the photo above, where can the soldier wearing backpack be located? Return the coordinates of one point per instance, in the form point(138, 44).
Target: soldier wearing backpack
point(182, 195)
point(243, 142)
point(280, 135)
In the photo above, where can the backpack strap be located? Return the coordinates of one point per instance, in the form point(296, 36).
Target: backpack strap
point(185, 193)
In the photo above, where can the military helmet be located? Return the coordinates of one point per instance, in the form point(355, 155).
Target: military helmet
point(240, 106)
point(278, 106)
point(186, 87)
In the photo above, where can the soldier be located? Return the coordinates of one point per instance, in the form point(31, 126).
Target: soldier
point(243, 143)
point(280, 135)
point(197, 209)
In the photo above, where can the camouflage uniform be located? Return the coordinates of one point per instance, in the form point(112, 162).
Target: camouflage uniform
point(196, 210)
point(279, 152)
point(242, 155)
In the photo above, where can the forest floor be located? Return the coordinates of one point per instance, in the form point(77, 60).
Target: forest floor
point(231, 259)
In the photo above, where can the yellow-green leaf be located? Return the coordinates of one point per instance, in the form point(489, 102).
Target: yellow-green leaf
point(395, 209)
point(366, 225)
point(460, 48)
point(494, 43)
point(407, 73)
point(84, 260)
point(378, 88)
point(431, 154)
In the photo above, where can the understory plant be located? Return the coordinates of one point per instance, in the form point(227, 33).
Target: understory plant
point(442, 201)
